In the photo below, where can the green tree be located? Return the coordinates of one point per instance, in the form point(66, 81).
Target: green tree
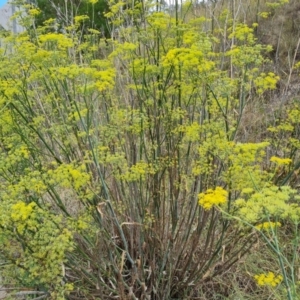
point(63, 11)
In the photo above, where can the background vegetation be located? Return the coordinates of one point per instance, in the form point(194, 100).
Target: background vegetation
point(160, 162)
point(61, 11)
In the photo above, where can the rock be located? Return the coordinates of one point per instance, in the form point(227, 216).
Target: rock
point(6, 11)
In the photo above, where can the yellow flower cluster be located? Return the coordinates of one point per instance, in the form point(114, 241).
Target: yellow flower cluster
point(276, 4)
point(18, 154)
point(269, 279)
point(61, 40)
point(21, 211)
point(266, 81)
point(280, 161)
point(246, 51)
point(67, 175)
point(20, 214)
point(212, 197)
point(270, 200)
point(114, 8)
point(192, 132)
point(34, 12)
point(264, 14)
point(159, 20)
point(139, 171)
point(268, 225)
point(242, 32)
point(188, 58)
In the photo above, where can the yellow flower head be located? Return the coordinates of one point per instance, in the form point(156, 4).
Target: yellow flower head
point(21, 211)
point(280, 161)
point(268, 225)
point(268, 279)
point(21, 214)
point(212, 197)
point(34, 12)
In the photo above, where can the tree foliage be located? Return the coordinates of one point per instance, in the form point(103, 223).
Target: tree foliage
point(62, 10)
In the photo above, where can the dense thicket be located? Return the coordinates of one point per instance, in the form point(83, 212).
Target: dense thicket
point(161, 163)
